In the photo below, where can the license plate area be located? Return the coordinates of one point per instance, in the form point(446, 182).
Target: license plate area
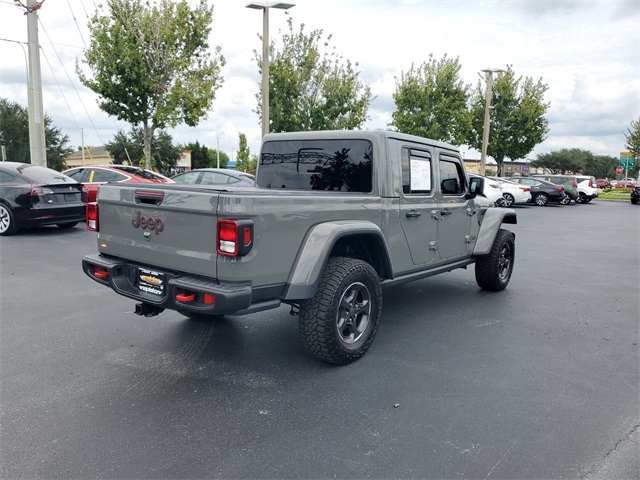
point(151, 281)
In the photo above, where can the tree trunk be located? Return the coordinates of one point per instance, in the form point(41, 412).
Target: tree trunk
point(148, 134)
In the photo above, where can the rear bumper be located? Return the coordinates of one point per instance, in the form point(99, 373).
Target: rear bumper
point(124, 278)
point(35, 217)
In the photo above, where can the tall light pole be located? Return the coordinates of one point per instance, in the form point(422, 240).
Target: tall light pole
point(36, 108)
point(487, 110)
point(265, 6)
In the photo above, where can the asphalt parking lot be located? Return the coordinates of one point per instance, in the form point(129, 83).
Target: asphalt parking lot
point(538, 381)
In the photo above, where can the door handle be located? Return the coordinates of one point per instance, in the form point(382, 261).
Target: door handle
point(413, 214)
point(446, 212)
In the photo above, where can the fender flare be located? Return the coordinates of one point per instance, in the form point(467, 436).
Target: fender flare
point(312, 257)
point(492, 220)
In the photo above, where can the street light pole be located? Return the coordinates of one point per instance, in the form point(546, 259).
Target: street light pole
point(487, 114)
point(265, 6)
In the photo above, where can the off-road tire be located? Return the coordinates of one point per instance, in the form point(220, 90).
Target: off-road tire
point(494, 270)
point(200, 317)
point(540, 199)
point(8, 224)
point(566, 200)
point(66, 225)
point(339, 323)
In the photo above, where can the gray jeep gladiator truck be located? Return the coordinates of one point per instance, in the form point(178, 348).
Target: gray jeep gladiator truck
point(334, 217)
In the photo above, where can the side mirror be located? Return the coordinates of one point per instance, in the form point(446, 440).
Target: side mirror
point(476, 187)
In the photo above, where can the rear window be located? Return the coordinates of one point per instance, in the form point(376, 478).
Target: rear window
point(330, 165)
point(42, 175)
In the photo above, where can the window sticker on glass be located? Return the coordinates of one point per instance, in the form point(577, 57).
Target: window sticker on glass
point(420, 175)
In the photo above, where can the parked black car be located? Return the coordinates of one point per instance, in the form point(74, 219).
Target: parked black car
point(635, 194)
point(542, 192)
point(32, 196)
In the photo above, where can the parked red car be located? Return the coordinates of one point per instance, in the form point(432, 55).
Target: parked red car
point(94, 176)
point(603, 183)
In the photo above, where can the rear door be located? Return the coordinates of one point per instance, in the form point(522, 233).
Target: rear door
point(417, 204)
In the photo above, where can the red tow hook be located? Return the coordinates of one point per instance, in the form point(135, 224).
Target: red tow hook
point(101, 273)
point(183, 297)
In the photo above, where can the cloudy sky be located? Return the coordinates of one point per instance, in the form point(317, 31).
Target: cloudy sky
point(588, 52)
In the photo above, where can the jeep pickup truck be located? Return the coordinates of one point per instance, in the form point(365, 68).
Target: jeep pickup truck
point(334, 217)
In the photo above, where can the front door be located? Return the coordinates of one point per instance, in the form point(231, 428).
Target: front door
point(454, 210)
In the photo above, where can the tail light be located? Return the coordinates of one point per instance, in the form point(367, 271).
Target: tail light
point(525, 189)
point(592, 182)
point(92, 217)
point(234, 237)
point(575, 182)
point(85, 194)
point(559, 188)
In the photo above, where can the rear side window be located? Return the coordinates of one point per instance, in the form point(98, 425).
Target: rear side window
point(76, 174)
point(189, 177)
point(99, 176)
point(416, 171)
point(330, 165)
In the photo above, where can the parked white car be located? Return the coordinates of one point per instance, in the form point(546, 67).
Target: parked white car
point(492, 190)
point(512, 192)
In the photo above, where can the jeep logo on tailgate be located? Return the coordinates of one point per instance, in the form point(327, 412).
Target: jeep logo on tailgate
point(151, 223)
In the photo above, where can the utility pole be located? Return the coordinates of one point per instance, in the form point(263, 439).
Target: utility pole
point(487, 114)
point(36, 108)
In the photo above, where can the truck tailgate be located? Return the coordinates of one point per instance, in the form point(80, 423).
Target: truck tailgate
point(166, 227)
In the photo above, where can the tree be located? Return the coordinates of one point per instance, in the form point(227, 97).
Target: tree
point(601, 166)
point(213, 158)
point(311, 88)
point(164, 157)
point(243, 155)
point(518, 122)
point(199, 155)
point(431, 101)
point(151, 66)
point(567, 160)
point(633, 139)
point(14, 135)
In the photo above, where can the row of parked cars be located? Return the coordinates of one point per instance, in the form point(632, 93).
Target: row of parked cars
point(32, 196)
point(540, 189)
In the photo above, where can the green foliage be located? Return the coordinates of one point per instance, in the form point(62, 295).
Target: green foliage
point(243, 155)
point(253, 164)
point(517, 123)
point(567, 160)
point(633, 139)
point(199, 155)
point(213, 158)
point(489, 173)
point(164, 154)
point(150, 64)
point(601, 166)
point(431, 101)
point(311, 88)
point(14, 135)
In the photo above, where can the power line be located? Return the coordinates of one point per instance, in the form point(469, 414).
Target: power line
point(71, 83)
